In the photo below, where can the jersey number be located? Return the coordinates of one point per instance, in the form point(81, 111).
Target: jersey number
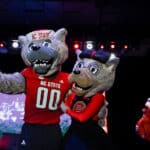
point(43, 98)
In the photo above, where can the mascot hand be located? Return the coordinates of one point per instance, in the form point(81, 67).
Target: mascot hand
point(64, 107)
point(143, 125)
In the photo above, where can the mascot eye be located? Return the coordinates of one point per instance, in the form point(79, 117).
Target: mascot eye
point(80, 65)
point(93, 69)
point(33, 46)
point(46, 44)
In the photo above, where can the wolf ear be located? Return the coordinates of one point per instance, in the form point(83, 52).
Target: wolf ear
point(61, 34)
point(78, 51)
point(113, 61)
point(22, 40)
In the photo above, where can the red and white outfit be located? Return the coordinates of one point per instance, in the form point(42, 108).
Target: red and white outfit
point(84, 128)
point(82, 108)
point(143, 125)
point(42, 109)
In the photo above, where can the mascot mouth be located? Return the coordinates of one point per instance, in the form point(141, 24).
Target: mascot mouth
point(42, 66)
point(79, 88)
point(42, 59)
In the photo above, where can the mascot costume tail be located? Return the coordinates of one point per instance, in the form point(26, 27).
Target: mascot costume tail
point(92, 75)
point(44, 86)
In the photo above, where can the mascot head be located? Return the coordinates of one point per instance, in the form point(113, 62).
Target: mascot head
point(94, 71)
point(44, 50)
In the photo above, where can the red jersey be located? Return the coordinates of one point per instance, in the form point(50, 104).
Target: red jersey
point(43, 97)
point(83, 109)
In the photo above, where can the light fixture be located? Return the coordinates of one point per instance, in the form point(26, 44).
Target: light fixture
point(89, 45)
point(1, 44)
point(125, 46)
point(77, 45)
point(15, 44)
point(101, 46)
point(112, 45)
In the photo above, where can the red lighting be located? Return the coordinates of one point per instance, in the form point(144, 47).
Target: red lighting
point(112, 46)
point(1, 45)
point(102, 46)
point(126, 46)
point(76, 45)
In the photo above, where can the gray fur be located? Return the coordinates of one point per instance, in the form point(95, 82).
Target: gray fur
point(102, 114)
point(57, 44)
point(90, 76)
point(101, 81)
point(12, 83)
point(15, 82)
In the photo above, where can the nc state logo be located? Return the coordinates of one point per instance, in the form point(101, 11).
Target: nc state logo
point(79, 106)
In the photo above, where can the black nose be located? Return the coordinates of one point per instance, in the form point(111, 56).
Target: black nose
point(76, 71)
point(35, 48)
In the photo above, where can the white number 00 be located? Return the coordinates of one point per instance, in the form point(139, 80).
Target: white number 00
point(42, 98)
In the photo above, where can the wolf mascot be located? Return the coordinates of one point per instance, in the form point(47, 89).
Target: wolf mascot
point(92, 75)
point(44, 85)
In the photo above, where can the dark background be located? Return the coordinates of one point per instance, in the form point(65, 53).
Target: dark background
point(120, 20)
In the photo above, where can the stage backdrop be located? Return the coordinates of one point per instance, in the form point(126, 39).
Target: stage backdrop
point(11, 112)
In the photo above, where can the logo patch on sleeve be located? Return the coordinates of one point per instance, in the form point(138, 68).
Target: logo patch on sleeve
point(79, 106)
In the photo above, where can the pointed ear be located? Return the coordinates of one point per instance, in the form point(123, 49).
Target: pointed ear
point(78, 51)
point(61, 34)
point(22, 39)
point(113, 61)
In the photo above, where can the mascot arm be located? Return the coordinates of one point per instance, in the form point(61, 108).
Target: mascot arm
point(140, 127)
point(92, 109)
point(143, 125)
point(69, 99)
point(12, 83)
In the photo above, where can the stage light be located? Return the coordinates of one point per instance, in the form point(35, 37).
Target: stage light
point(15, 44)
point(90, 45)
point(3, 49)
point(124, 49)
point(102, 46)
point(112, 45)
point(125, 46)
point(1, 44)
point(76, 45)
